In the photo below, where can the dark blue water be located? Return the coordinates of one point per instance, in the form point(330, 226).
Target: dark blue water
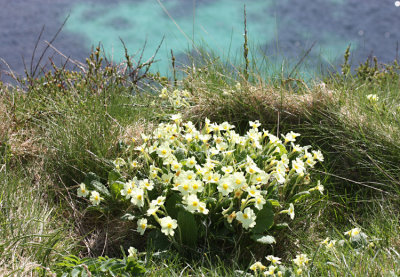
point(277, 29)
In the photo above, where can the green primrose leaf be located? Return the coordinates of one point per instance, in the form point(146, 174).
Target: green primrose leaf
point(102, 189)
point(188, 228)
point(180, 154)
point(265, 219)
point(116, 188)
point(91, 177)
point(114, 176)
point(171, 204)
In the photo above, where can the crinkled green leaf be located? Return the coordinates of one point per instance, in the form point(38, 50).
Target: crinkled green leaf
point(114, 176)
point(99, 187)
point(188, 227)
point(116, 188)
point(171, 204)
point(265, 219)
point(180, 154)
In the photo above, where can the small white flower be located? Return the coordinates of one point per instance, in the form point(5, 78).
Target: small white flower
point(353, 233)
point(141, 225)
point(227, 169)
point(134, 164)
point(204, 138)
point(290, 137)
point(259, 202)
point(252, 169)
point(177, 118)
point(119, 162)
point(254, 124)
point(159, 201)
point(317, 155)
point(82, 190)
point(192, 203)
point(238, 86)
point(176, 166)
point(95, 198)
point(257, 266)
point(261, 178)
point(253, 191)
point(164, 151)
point(164, 93)
point(137, 197)
point(298, 166)
point(127, 190)
point(274, 260)
point(153, 208)
point(270, 271)
point(168, 225)
point(185, 188)
point(132, 252)
point(225, 186)
point(203, 208)
point(247, 218)
point(238, 179)
point(373, 98)
point(301, 260)
point(325, 241)
point(191, 162)
point(146, 184)
point(196, 186)
point(291, 211)
point(331, 244)
point(166, 178)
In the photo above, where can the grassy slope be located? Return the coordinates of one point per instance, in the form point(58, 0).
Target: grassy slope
point(69, 123)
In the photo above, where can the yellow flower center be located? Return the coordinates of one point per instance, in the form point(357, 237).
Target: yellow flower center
point(194, 204)
point(143, 226)
point(169, 225)
point(139, 197)
point(238, 181)
point(185, 187)
point(225, 186)
point(245, 216)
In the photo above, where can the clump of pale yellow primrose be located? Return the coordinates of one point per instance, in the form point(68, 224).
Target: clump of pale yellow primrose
point(212, 174)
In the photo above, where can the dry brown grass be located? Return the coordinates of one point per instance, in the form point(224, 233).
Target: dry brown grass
point(23, 140)
point(262, 102)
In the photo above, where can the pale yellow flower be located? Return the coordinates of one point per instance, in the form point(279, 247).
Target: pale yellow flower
point(141, 225)
point(168, 225)
point(82, 190)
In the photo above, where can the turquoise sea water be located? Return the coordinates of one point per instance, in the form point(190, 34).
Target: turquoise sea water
point(280, 30)
point(186, 25)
